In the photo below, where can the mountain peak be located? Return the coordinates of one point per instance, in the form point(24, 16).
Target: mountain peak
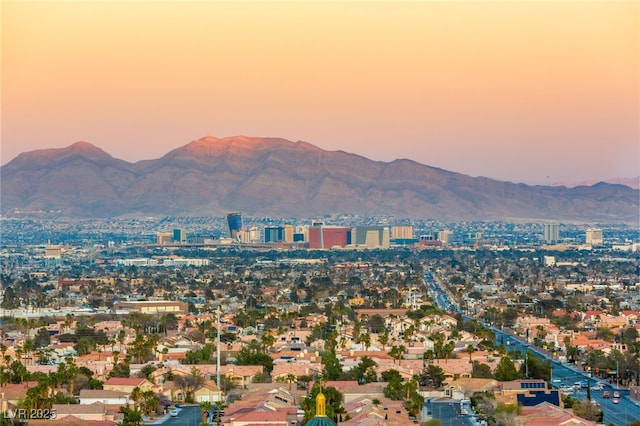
point(43, 156)
point(210, 146)
point(83, 146)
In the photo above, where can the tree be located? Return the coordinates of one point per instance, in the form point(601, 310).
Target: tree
point(505, 370)
point(365, 371)
point(147, 371)
point(481, 371)
point(397, 352)
point(150, 402)
point(71, 374)
point(252, 355)
point(131, 417)
point(136, 396)
point(120, 369)
point(394, 389)
point(333, 402)
point(470, 349)
point(484, 403)
point(505, 418)
point(432, 377)
point(190, 384)
point(413, 401)
point(365, 339)
point(42, 338)
point(376, 323)
point(289, 378)
point(588, 411)
point(536, 367)
point(332, 367)
point(383, 338)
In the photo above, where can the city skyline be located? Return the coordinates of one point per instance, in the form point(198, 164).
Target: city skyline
point(478, 88)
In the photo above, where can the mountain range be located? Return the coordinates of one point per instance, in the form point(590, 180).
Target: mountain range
point(279, 178)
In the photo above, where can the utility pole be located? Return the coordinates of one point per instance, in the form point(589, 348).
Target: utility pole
point(218, 356)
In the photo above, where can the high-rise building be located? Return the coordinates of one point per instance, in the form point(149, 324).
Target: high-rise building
point(326, 237)
point(234, 220)
point(274, 234)
point(301, 233)
point(288, 233)
point(401, 232)
point(445, 236)
point(371, 236)
point(551, 233)
point(254, 234)
point(594, 237)
point(163, 238)
point(179, 235)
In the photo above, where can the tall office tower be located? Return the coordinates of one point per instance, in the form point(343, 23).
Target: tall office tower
point(288, 233)
point(445, 236)
point(234, 220)
point(371, 236)
point(551, 233)
point(593, 236)
point(273, 234)
point(179, 235)
point(401, 232)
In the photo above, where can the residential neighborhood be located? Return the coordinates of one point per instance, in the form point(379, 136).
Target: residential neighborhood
point(257, 335)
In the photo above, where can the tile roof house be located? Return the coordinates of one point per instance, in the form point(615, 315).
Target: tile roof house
point(89, 396)
point(86, 412)
point(126, 384)
point(548, 414)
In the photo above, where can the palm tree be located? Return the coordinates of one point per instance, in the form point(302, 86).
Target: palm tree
point(72, 373)
point(3, 350)
point(470, 350)
point(448, 350)
point(150, 402)
point(4, 376)
point(136, 395)
point(356, 331)
point(290, 378)
point(397, 352)
point(383, 338)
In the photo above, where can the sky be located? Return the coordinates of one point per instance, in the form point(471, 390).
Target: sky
point(535, 92)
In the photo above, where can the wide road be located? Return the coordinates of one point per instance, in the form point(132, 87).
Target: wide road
point(189, 415)
point(621, 414)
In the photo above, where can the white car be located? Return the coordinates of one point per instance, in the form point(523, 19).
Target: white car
point(174, 413)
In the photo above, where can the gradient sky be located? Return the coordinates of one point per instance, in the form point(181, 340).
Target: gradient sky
point(535, 92)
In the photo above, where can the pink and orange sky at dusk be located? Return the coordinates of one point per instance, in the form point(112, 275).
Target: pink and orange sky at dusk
point(534, 92)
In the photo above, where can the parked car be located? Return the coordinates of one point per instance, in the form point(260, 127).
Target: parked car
point(616, 394)
point(606, 394)
point(616, 400)
point(174, 413)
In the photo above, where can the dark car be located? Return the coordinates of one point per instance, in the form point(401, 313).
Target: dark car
point(606, 394)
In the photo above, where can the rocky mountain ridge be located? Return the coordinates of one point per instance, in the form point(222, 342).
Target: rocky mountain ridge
point(279, 178)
